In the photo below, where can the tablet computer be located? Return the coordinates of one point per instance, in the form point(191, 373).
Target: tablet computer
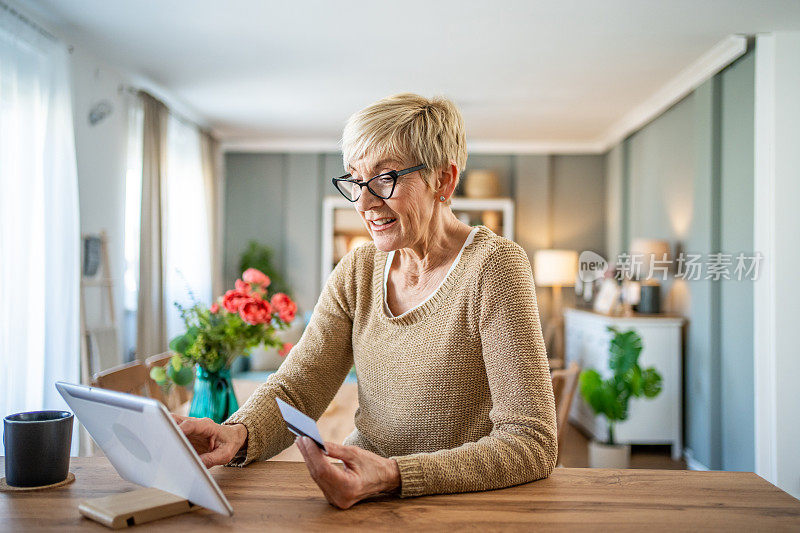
point(144, 444)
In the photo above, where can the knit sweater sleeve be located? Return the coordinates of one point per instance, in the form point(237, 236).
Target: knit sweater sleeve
point(309, 377)
point(522, 445)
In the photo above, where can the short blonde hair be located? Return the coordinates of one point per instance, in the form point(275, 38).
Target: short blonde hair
point(429, 131)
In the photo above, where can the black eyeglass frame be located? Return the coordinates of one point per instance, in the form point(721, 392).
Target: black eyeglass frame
point(393, 173)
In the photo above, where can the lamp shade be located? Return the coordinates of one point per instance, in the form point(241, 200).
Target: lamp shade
point(555, 267)
point(647, 251)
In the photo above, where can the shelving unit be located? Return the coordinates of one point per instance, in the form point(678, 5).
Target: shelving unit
point(343, 229)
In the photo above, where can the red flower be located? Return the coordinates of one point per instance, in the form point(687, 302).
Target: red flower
point(255, 277)
point(255, 311)
point(286, 308)
point(214, 308)
point(234, 299)
point(287, 347)
point(241, 286)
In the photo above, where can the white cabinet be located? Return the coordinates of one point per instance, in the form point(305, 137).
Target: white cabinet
point(650, 421)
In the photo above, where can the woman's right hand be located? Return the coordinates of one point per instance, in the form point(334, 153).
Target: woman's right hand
point(216, 444)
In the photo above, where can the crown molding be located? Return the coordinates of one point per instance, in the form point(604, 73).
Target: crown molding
point(717, 58)
point(535, 147)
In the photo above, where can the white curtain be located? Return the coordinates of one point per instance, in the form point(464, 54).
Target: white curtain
point(186, 234)
point(39, 226)
point(214, 187)
point(133, 218)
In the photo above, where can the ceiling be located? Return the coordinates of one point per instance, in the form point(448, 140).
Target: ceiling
point(554, 72)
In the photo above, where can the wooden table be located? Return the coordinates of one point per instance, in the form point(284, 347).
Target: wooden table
point(282, 496)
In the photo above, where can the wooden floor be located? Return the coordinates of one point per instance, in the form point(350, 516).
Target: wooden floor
point(576, 454)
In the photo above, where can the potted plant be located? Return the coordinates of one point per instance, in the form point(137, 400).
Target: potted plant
point(259, 256)
point(609, 397)
point(242, 318)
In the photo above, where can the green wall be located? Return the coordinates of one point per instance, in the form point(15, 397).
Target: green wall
point(736, 235)
point(276, 198)
point(687, 177)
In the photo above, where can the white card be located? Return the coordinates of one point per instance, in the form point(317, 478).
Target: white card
point(300, 424)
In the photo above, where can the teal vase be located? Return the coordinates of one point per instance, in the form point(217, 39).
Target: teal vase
point(213, 395)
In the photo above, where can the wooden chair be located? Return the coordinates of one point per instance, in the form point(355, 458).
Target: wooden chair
point(130, 377)
point(564, 384)
point(176, 396)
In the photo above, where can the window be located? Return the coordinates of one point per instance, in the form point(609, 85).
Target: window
point(39, 232)
point(187, 262)
point(185, 231)
point(133, 210)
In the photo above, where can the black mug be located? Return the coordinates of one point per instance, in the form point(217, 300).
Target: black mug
point(37, 447)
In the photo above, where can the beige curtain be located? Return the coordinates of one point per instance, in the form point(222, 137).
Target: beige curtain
point(151, 329)
point(213, 185)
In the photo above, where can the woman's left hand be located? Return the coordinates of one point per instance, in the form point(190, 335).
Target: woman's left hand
point(364, 474)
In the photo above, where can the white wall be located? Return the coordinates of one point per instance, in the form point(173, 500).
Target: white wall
point(101, 150)
point(777, 292)
point(102, 164)
point(101, 156)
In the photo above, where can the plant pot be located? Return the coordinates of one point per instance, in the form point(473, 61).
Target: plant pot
point(268, 358)
point(264, 358)
point(609, 456)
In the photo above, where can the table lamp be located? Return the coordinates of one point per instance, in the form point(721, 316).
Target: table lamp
point(556, 269)
point(650, 251)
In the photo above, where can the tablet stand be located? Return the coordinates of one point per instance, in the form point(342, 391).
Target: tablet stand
point(136, 507)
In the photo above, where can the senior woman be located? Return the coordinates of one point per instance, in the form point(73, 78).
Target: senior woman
point(439, 319)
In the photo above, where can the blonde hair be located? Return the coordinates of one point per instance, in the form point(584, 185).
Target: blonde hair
point(428, 131)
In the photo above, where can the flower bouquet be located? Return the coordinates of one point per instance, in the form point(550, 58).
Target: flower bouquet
point(242, 318)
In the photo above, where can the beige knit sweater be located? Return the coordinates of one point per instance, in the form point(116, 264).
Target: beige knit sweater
point(457, 390)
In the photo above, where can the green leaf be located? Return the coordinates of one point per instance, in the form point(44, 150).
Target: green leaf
point(651, 382)
point(611, 397)
point(158, 374)
point(181, 376)
point(181, 344)
point(624, 350)
point(634, 378)
point(176, 362)
point(589, 381)
point(599, 394)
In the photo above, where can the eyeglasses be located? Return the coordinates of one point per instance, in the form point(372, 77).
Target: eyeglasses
point(381, 185)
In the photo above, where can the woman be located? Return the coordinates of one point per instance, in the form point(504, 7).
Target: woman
point(439, 319)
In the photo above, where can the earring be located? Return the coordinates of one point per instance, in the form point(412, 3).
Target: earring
point(441, 198)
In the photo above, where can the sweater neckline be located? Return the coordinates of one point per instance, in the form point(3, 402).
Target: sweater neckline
point(390, 257)
point(437, 298)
